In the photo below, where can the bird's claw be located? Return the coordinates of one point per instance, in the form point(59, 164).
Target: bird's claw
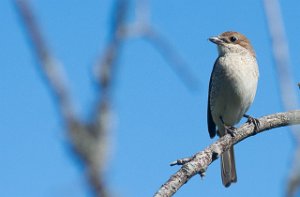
point(230, 130)
point(254, 121)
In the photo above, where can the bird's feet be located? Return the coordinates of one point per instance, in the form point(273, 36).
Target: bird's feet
point(228, 129)
point(255, 121)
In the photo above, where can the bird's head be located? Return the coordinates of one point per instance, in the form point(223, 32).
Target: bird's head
point(233, 42)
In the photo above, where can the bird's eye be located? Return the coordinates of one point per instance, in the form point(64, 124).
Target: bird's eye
point(233, 39)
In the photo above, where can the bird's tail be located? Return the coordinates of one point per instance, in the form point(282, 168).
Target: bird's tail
point(228, 171)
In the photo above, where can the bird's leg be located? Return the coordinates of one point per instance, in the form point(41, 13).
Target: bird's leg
point(228, 129)
point(255, 121)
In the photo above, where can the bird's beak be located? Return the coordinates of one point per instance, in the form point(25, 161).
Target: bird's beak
point(216, 40)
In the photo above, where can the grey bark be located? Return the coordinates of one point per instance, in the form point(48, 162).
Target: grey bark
point(198, 163)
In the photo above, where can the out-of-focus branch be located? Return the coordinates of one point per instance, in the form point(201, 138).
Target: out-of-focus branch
point(106, 64)
point(50, 66)
point(281, 54)
point(173, 58)
point(143, 28)
point(198, 163)
point(89, 140)
point(96, 148)
point(105, 72)
point(286, 80)
point(88, 144)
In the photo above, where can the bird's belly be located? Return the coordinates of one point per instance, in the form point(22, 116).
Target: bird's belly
point(233, 97)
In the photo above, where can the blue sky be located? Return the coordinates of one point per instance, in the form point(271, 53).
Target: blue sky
point(157, 119)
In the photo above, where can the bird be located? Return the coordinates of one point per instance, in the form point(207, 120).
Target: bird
point(232, 88)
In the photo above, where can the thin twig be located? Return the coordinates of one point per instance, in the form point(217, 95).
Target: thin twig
point(200, 161)
point(142, 27)
point(177, 63)
point(181, 161)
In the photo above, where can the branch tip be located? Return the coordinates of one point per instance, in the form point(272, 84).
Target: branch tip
point(181, 161)
point(202, 173)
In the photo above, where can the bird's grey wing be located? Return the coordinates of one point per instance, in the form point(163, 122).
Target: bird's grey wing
point(210, 122)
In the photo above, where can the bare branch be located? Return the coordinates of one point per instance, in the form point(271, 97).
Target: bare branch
point(200, 161)
point(87, 141)
point(173, 58)
point(101, 123)
point(143, 28)
point(281, 54)
point(50, 66)
point(286, 79)
point(167, 51)
point(106, 66)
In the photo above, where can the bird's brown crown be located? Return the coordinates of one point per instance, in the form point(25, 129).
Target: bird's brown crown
point(237, 38)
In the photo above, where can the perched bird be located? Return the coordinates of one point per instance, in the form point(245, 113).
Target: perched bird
point(232, 89)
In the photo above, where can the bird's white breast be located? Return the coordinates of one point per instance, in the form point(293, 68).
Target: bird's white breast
point(234, 83)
